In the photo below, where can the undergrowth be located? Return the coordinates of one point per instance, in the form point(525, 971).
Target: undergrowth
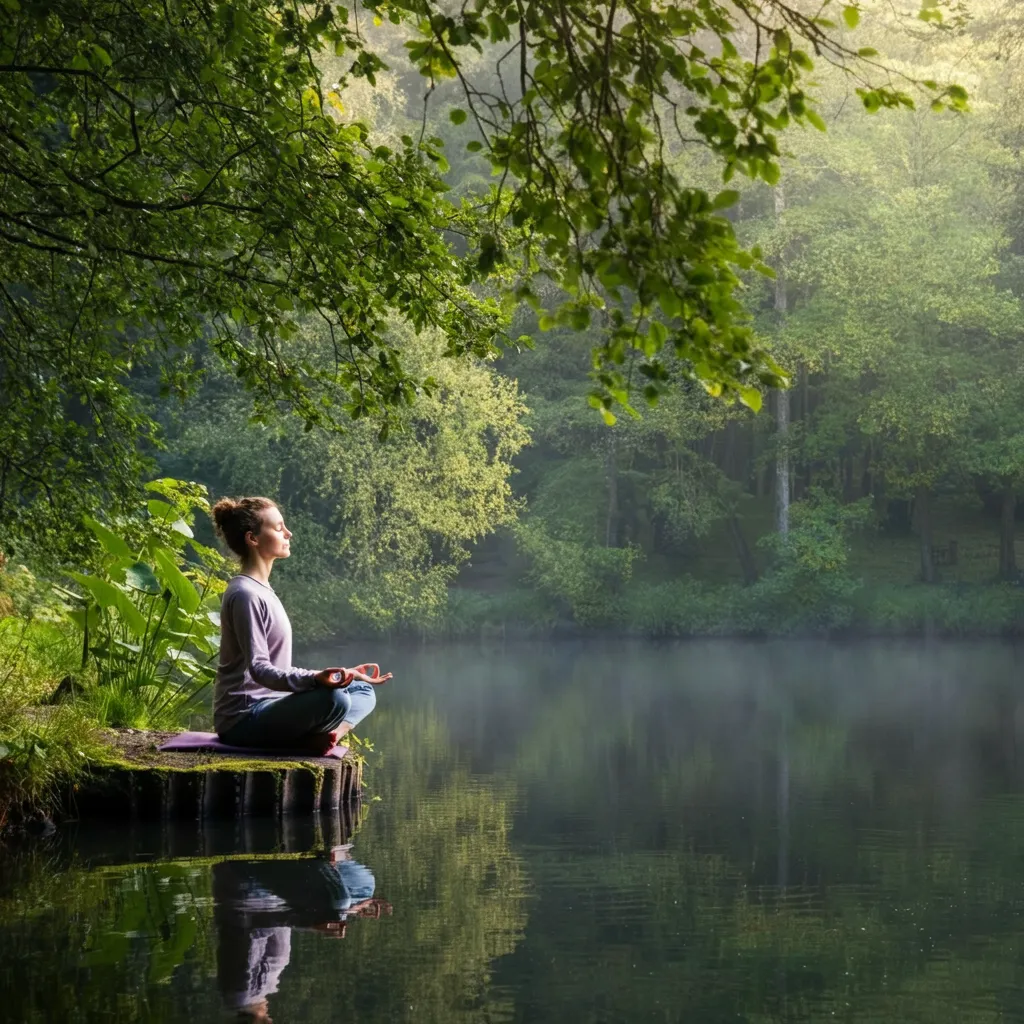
point(42, 748)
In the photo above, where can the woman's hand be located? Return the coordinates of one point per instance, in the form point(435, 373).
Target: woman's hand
point(341, 677)
point(362, 677)
point(336, 677)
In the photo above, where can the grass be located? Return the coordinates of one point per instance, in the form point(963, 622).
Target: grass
point(42, 748)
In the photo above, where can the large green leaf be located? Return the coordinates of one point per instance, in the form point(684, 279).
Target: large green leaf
point(140, 576)
point(161, 510)
point(113, 598)
point(183, 660)
point(176, 581)
point(111, 542)
point(180, 526)
point(86, 618)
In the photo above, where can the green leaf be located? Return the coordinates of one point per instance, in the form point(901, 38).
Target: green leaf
point(751, 398)
point(109, 540)
point(180, 526)
point(851, 15)
point(182, 657)
point(175, 580)
point(814, 118)
point(161, 510)
point(141, 577)
point(724, 199)
point(114, 599)
point(85, 618)
point(457, 116)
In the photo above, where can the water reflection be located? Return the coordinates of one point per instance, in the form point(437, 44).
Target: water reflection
point(257, 904)
point(277, 919)
point(770, 833)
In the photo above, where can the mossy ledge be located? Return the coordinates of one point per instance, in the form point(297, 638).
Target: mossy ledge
point(131, 779)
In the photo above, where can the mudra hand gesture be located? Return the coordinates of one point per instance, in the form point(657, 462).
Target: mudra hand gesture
point(341, 677)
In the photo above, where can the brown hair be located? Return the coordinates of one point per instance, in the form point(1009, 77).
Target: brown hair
point(235, 517)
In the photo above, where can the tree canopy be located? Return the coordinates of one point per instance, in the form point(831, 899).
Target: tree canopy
point(179, 185)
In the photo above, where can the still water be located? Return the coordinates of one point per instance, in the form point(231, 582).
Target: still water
point(577, 832)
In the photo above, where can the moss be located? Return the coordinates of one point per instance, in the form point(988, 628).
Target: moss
point(134, 749)
point(111, 759)
point(199, 862)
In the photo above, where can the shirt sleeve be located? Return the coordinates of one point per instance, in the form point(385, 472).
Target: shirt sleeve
point(250, 620)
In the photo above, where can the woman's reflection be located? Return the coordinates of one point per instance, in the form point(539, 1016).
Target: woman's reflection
point(258, 903)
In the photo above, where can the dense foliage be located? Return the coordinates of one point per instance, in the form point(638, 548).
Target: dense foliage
point(381, 525)
point(302, 212)
point(181, 186)
point(150, 615)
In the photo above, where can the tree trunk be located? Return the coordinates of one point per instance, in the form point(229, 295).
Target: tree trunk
point(729, 458)
point(1007, 554)
point(782, 462)
point(743, 552)
point(760, 484)
point(781, 400)
point(782, 796)
point(848, 471)
point(867, 484)
point(611, 525)
point(922, 502)
point(804, 477)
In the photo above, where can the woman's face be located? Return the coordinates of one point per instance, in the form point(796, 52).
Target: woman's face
point(273, 538)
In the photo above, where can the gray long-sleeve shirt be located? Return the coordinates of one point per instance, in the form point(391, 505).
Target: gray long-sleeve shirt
point(255, 652)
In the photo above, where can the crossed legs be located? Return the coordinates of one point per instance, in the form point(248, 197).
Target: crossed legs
point(316, 719)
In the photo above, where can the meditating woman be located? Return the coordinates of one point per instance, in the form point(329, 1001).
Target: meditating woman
point(260, 699)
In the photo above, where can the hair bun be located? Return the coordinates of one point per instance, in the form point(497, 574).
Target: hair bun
point(235, 517)
point(224, 509)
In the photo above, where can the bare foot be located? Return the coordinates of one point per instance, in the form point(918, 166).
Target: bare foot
point(320, 744)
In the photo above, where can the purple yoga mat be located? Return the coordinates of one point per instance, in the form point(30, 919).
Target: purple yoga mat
point(207, 741)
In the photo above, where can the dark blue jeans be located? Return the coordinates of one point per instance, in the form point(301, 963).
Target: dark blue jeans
point(287, 721)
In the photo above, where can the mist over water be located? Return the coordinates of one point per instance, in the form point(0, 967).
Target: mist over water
point(591, 832)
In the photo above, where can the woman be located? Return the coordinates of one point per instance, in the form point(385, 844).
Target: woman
point(260, 700)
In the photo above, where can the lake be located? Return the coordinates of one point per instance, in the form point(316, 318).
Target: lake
point(584, 832)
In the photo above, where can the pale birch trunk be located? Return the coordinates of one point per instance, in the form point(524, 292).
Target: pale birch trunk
point(781, 400)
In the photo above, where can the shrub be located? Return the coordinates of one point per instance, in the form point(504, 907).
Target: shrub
point(586, 580)
point(149, 616)
point(808, 585)
point(681, 607)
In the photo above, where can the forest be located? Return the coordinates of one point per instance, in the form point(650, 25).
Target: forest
point(677, 319)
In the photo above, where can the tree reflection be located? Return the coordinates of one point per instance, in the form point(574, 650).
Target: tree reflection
point(172, 940)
